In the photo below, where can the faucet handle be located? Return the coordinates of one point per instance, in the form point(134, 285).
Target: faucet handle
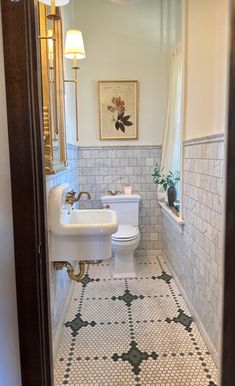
point(71, 193)
point(70, 197)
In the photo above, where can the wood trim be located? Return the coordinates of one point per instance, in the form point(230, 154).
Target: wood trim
point(228, 344)
point(205, 139)
point(26, 157)
point(24, 109)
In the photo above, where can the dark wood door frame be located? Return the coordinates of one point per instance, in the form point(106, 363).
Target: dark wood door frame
point(27, 178)
point(28, 195)
point(228, 345)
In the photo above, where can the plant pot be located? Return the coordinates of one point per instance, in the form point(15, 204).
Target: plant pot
point(171, 194)
point(166, 197)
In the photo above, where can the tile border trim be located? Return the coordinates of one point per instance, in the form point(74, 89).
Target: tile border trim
point(207, 139)
point(122, 147)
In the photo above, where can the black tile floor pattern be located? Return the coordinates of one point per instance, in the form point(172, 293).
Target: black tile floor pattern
point(131, 332)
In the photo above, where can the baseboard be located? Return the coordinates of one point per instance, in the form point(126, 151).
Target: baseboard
point(196, 318)
point(56, 339)
point(148, 252)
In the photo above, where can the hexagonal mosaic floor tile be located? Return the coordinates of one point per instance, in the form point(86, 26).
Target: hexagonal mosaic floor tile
point(131, 332)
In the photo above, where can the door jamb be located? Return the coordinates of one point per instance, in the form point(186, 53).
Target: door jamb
point(24, 112)
point(228, 339)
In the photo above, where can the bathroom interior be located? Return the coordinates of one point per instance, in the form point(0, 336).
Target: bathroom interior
point(135, 279)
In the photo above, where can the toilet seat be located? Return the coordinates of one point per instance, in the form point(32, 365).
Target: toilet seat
point(126, 233)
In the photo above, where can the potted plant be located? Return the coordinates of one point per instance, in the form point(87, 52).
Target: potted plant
point(168, 182)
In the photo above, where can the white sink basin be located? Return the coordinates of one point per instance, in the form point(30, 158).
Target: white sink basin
point(78, 234)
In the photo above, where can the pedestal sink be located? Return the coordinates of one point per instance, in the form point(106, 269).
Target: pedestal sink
point(78, 234)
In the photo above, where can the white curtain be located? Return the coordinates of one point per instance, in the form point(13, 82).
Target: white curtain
point(172, 132)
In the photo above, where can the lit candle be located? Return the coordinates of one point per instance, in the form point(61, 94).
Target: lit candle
point(127, 189)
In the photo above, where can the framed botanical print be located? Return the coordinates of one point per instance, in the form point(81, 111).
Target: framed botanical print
point(118, 109)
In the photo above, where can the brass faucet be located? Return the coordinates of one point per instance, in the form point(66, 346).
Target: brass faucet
point(71, 199)
point(81, 193)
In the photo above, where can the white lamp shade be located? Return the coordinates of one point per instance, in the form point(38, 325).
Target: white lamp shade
point(74, 47)
point(58, 3)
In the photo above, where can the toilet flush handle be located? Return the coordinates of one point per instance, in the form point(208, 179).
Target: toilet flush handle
point(106, 206)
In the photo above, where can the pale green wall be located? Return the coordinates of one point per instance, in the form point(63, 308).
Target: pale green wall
point(122, 42)
point(207, 71)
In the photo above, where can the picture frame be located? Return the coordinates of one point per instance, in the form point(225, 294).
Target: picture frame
point(118, 109)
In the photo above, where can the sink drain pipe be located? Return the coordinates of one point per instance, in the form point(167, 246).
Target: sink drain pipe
point(70, 270)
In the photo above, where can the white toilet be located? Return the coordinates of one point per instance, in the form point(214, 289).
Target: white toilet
point(127, 238)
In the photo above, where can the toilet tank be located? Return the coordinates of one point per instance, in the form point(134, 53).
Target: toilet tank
point(126, 207)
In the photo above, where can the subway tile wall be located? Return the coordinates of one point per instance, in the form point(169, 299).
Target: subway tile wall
point(110, 168)
point(196, 255)
point(60, 284)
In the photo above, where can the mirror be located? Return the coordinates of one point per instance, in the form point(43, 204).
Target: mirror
point(51, 44)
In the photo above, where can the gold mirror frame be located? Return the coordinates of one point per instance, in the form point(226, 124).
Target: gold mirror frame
point(52, 93)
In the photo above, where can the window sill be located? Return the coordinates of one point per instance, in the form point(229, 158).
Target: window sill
point(168, 212)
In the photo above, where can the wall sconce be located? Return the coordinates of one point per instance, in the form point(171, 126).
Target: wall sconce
point(53, 4)
point(74, 49)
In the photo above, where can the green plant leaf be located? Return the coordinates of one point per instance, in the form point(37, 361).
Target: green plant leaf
point(165, 186)
point(166, 181)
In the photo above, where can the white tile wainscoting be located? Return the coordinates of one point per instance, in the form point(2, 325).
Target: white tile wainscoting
point(195, 256)
point(110, 168)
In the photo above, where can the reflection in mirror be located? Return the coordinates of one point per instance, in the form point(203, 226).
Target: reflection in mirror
point(51, 43)
point(74, 49)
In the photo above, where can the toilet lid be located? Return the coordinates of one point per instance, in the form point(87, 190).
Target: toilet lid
point(126, 232)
